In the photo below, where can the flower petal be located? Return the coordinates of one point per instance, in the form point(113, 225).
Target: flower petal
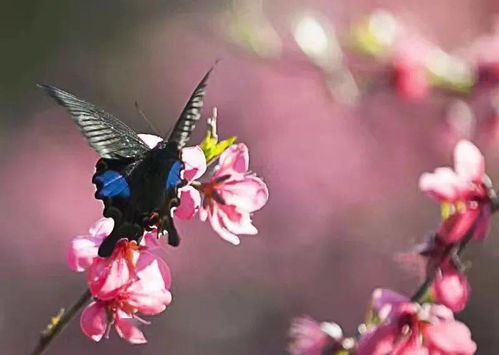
point(149, 294)
point(455, 227)
point(482, 224)
point(384, 301)
point(93, 321)
point(468, 161)
point(126, 328)
point(83, 251)
point(234, 159)
point(190, 200)
point(451, 288)
point(249, 194)
point(449, 337)
point(150, 139)
point(219, 227)
point(195, 162)
point(108, 276)
point(442, 185)
point(379, 341)
point(103, 227)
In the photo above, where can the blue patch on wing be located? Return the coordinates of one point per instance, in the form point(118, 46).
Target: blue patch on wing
point(173, 178)
point(112, 184)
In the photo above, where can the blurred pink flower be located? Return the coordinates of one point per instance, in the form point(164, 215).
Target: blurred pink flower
point(407, 328)
point(451, 287)
point(464, 191)
point(148, 294)
point(410, 72)
point(232, 195)
point(309, 337)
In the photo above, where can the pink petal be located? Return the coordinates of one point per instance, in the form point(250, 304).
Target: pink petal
point(126, 329)
point(469, 161)
point(384, 301)
point(195, 162)
point(219, 227)
point(440, 312)
point(103, 227)
point(150, 241)
point(249, 194)
point(234, 159)
point(442, 185)
point(379, 341)
point(455, 227)
point(150, 139)
point(83, 251)
point(449, 337)
point(482, 224)
point(307, 337)
point(235, 221)
point(108, 276)
point(93, 321)
point(451, 289)
point(149, 294)
point(190, 200)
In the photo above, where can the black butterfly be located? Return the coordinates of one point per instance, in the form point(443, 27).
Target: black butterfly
point(137, 184)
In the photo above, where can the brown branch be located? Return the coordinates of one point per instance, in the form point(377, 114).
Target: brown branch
point(58, 323)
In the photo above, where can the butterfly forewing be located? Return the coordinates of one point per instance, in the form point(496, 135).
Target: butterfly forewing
point(111, 138)
point(190, 114)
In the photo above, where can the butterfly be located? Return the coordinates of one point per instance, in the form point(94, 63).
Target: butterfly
point(137, 184)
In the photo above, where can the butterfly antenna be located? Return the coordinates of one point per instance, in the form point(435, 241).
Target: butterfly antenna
point(149, 123)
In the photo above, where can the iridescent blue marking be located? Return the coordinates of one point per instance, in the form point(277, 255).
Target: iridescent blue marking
point(112, 184)
point(173, 178)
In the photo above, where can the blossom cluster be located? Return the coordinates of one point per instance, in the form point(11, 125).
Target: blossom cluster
point(134, 280)
point(423, 323)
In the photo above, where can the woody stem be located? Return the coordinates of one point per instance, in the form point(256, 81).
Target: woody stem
point(57, 326)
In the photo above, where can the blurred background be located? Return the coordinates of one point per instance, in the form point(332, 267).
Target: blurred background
point(342, 104)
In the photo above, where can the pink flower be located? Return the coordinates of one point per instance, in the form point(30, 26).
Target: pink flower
point(410, 72)
point(407, 328)
point(195, 167)
point(309, 337)
point(83, 249)
point(147, 294)
point(451, 288)
point(229, 197)
point(464, 192)
point(107, 276)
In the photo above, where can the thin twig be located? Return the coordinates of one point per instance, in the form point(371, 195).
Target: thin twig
point(58, 324)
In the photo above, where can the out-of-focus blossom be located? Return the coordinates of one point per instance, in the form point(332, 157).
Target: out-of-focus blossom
point(411, 76)
point(148, 294)
point(484, 53)
point(309, 337)
point(406, 328)
point(450, 287)
point(463, 192)
point(232, 194)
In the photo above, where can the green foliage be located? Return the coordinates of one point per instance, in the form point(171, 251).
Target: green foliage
point(210, 145)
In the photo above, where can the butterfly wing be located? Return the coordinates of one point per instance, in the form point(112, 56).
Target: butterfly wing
point(190, 114)
point(111, 138)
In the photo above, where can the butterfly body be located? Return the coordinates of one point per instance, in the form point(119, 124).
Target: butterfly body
point(137, 184)
point(139, 194)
